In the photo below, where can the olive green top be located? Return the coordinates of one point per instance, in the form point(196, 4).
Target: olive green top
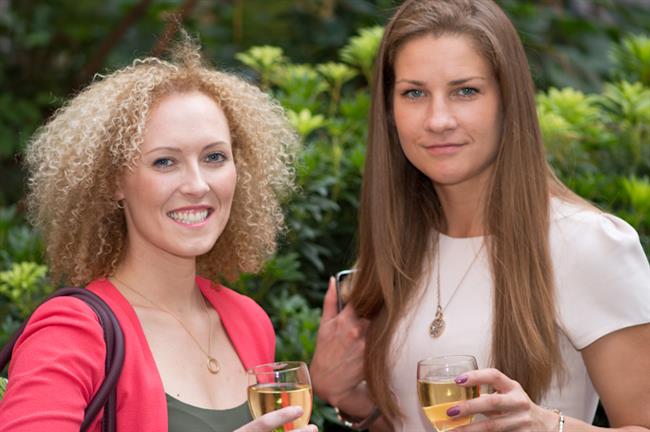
point(188, 418)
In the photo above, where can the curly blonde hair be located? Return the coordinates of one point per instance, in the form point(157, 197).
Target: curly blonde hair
point(76, 158)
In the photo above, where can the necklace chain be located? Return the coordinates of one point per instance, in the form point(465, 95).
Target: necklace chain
point(212, 363)
point(437, 326)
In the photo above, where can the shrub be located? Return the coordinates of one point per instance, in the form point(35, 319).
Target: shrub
point(597, 143)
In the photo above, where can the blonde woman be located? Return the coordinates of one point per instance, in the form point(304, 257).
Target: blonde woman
point(151, 183)
point(468, 244)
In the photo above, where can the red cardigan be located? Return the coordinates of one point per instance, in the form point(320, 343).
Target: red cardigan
point(58, 362)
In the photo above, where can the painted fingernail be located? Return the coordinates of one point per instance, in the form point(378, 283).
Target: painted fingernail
point(453, 411)
point(461, 379)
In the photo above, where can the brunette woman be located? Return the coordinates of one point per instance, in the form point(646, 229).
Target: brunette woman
point(468, 244)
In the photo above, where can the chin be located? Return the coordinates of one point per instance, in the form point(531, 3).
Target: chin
point(189, 250)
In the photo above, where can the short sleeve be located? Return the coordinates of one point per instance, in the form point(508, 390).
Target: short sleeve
point(602, 276)
point(56, 368)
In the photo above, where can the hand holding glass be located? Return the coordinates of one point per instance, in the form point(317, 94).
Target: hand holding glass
point(438, 392)
point(277, 385)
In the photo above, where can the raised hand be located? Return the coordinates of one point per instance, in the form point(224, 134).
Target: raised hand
point(508, 408)
point(337, 366)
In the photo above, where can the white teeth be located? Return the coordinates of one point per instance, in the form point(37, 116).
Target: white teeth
point(189, 217)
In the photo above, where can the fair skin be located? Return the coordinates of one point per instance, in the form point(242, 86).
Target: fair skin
point(177, 202)
point(337, 365)
point(448, 118)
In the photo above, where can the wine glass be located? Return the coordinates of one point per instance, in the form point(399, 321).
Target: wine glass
point(277, 385)
point(438, 392)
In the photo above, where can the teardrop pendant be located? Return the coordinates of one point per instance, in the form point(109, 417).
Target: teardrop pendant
point(437, 325)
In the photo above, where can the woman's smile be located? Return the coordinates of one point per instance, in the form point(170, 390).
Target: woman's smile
point(191, 216)
point(186, 176)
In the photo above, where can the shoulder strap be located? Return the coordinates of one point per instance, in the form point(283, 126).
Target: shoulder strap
point(114, 338)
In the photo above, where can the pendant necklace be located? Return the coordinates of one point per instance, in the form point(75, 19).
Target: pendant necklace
point(437, 326)
point(212, 363)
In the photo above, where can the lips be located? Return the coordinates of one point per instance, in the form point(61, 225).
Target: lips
point(190, 215)
point(443, 148)
point(450, 144)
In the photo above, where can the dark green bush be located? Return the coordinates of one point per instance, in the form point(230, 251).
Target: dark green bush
point(597, 143)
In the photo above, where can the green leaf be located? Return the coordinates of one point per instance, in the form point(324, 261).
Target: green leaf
point(24, 284)
point(362, 50)
point(336, 73)
point(3, 386)
point(305, 122)
point(637, 192)
point(631, 58)
point(263, 60)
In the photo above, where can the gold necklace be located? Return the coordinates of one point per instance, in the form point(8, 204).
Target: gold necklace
point(437, 326)
point(212, 363)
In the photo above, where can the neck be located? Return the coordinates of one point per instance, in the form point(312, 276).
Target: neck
point(167, 280)
point(462, 205)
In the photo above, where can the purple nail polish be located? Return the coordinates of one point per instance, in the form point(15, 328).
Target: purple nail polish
point(453, 411)
point(461, 379)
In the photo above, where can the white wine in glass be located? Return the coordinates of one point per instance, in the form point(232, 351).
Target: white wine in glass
point(438, 392)
point(277, 385)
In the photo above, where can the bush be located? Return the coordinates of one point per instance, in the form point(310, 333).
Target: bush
point(597, 143)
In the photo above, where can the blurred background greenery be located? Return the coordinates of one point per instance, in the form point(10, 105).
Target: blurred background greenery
point(590, 61)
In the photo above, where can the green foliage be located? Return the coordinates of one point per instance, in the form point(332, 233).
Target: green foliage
point(568, 119)
point(631, 58)
point(361, 50)
point(336, 75)
point(637, 197)
point(626, 113)
point(24, 285)
point(596, 134)
point(297, 324)
point(305, 122)
point(263, 60)
point(18, 242)
point(598, 145)
point(299, 86)
point(23, 281)
point(3, 386)
point(565, 40)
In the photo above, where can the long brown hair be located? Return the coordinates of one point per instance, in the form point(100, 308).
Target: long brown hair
point(400, 211)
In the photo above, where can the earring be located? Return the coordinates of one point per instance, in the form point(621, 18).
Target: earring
point(121, 204)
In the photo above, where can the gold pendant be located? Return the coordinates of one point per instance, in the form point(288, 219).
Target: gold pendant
point(437, 325)
point(213, 365)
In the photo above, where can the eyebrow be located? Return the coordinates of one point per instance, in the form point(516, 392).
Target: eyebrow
point(177, 150)
point(464, 80)
point(451, 83)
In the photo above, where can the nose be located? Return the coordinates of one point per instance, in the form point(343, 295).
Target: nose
point(194, 181)
point(440, 116)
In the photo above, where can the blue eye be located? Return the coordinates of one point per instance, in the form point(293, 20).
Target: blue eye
point(467, 91)
point(163, 163)
point(413, 93)
point(215, 157)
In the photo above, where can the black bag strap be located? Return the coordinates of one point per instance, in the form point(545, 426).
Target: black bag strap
point(114, 338)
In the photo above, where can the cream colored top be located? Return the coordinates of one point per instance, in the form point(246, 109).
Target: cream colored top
point(603, 284)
